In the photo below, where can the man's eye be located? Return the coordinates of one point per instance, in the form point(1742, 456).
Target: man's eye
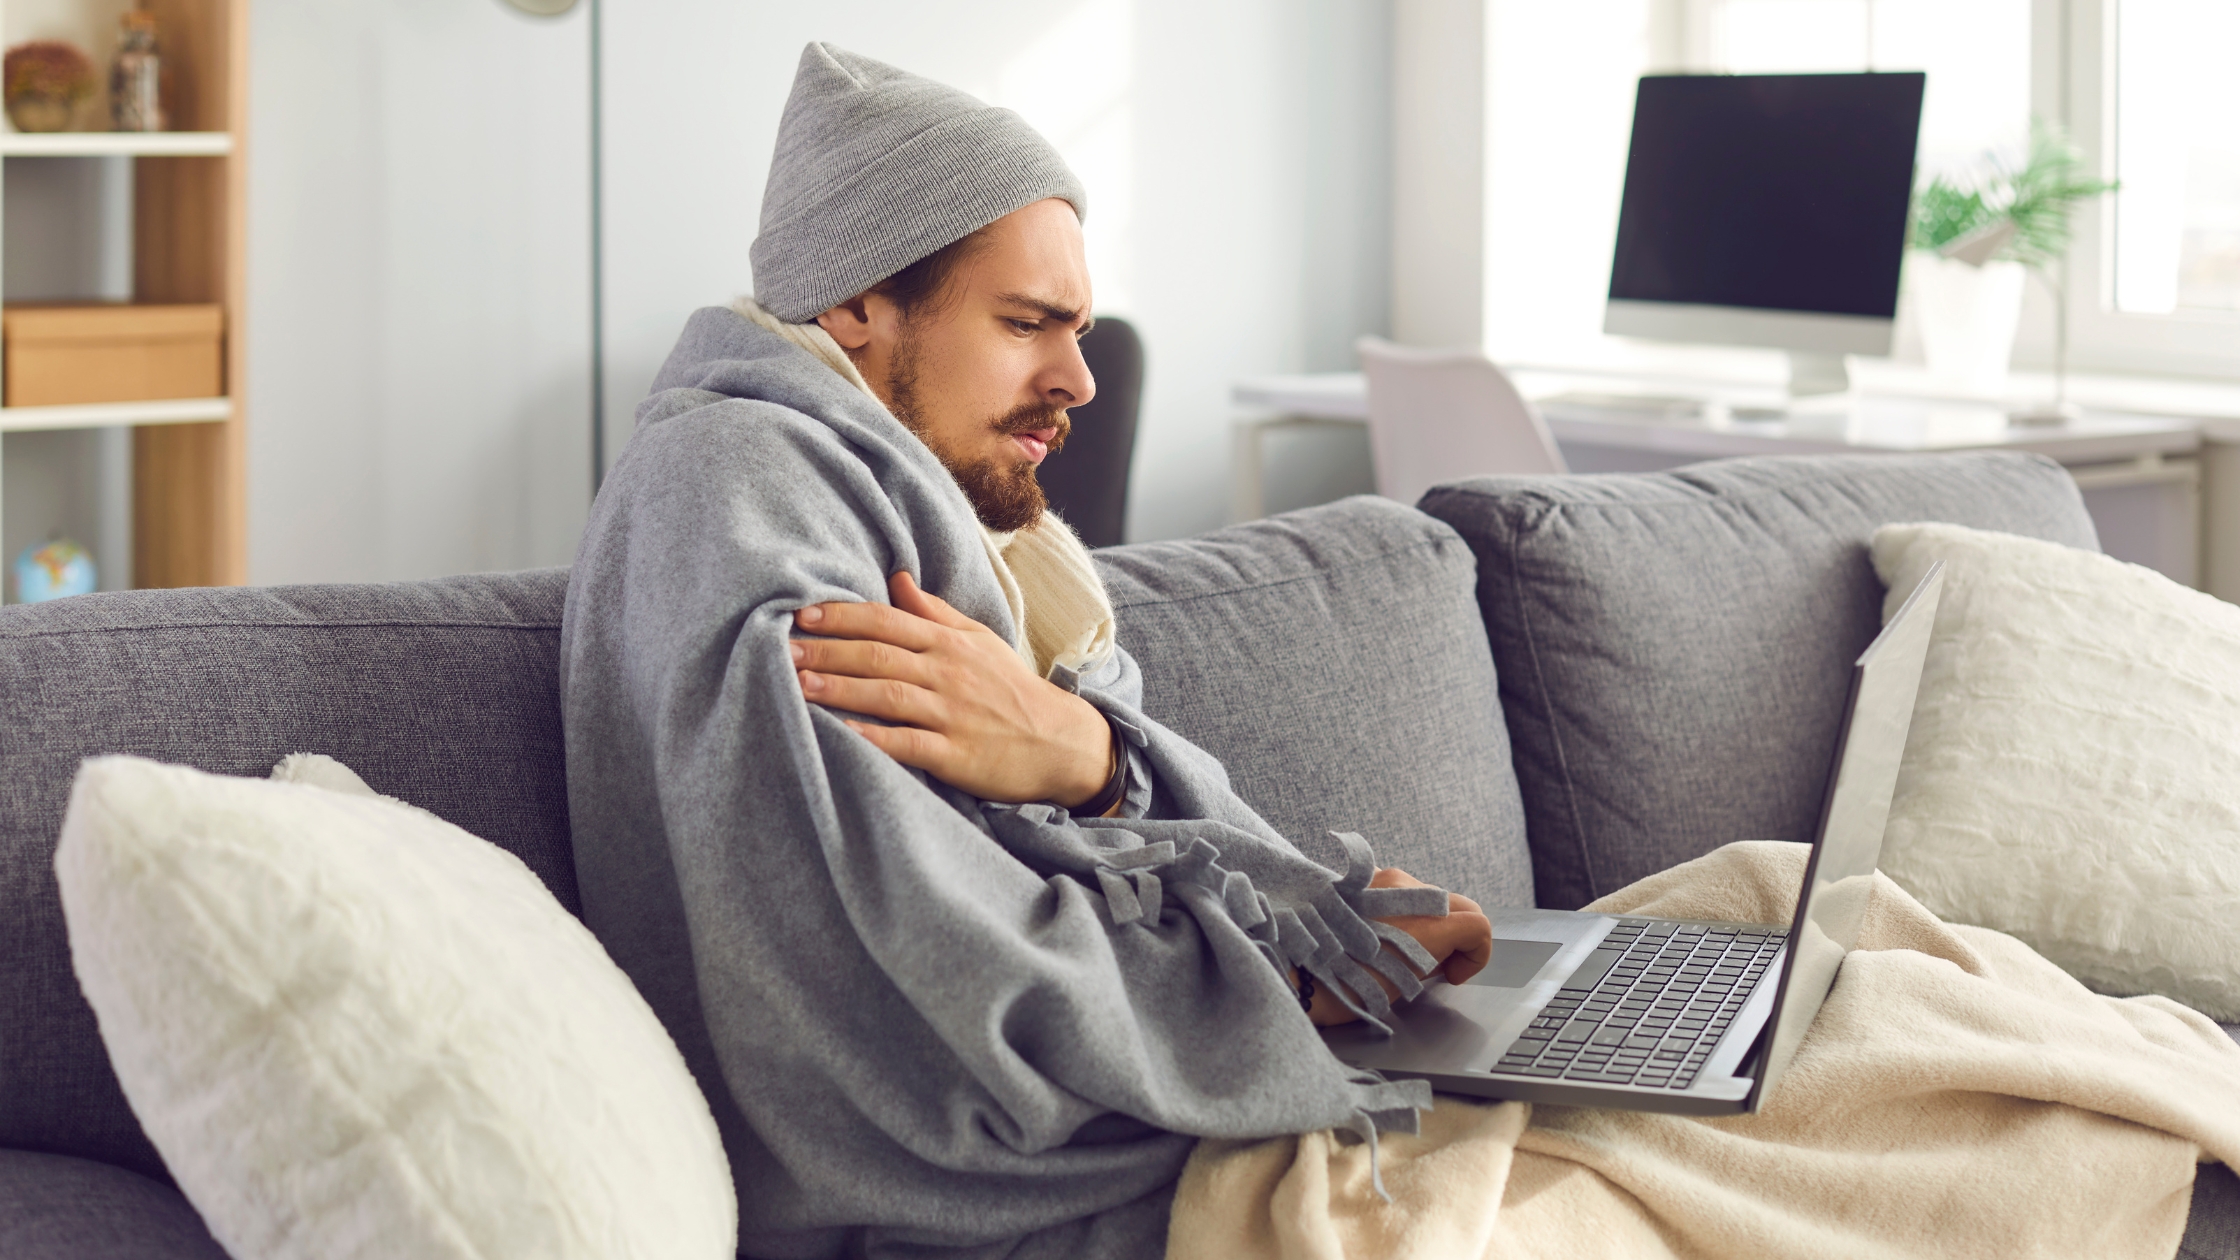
point(1026, 325)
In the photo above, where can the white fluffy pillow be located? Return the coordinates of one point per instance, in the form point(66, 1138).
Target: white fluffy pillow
point(354, 1030)
point(2073, 773)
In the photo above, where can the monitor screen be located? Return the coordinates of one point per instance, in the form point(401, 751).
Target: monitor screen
point(1775, 192)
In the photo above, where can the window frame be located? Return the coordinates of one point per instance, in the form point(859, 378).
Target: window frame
point(2073, 75)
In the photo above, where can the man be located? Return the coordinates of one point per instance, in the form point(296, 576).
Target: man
point(965, 950)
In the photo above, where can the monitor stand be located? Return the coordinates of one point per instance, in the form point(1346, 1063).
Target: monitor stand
point(1811, 374)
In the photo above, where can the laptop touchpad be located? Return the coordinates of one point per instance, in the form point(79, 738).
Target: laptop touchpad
point(1515, 963)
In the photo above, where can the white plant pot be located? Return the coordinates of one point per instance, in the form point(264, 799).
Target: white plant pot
point(1968, 317)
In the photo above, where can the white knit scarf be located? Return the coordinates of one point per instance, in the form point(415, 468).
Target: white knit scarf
point(1057, 600)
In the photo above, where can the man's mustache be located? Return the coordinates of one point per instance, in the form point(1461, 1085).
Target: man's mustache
point(1035, 416)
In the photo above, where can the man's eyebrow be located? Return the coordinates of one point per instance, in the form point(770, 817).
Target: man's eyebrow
point(1050, 310)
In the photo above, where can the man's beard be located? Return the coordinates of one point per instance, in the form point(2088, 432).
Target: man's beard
point(1004, 495)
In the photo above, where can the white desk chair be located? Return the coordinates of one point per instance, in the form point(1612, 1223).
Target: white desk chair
point(1441, 415)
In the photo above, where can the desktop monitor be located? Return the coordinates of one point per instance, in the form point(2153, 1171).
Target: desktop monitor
point(1767, 210)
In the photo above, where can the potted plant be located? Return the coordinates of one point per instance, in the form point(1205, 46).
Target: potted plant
point(1975, 239)
point(45, 81)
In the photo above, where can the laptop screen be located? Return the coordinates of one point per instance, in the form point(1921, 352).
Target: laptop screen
point(1853, 813)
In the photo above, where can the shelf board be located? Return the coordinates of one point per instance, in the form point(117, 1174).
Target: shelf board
point(104, 415)
point(115, 143)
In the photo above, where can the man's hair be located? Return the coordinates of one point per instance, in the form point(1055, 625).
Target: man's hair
point(924, 287)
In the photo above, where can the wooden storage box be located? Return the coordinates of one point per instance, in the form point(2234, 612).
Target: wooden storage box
point(100, 353)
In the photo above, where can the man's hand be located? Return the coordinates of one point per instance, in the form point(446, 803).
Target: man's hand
point(966, 709)
point(1460, 942)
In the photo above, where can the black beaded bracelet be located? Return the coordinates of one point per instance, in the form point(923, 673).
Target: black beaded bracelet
point(1306, 990)
point(1115, 787)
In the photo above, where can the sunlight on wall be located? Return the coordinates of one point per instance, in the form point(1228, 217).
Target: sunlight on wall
point(1074, 85)
point(1560, 83)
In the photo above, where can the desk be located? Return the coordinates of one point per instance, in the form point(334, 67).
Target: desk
point(2140, 472)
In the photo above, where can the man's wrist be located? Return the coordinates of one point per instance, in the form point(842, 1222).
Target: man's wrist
point(1111, 779)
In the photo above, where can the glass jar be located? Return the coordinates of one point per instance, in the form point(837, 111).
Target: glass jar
point(136, 77)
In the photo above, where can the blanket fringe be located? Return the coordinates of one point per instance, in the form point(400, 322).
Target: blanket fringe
point(1405, 1102)
point(1335, 937)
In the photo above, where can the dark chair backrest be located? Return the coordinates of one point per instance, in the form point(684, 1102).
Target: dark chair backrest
point(1088, 481)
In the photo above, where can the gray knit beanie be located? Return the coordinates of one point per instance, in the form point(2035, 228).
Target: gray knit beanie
point(877, 168)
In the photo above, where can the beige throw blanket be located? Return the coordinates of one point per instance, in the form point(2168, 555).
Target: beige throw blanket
point(1957, 1096)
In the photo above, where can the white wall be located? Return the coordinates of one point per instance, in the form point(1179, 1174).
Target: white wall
point(1560, 87)
point(1235, 152)
point(418, 269)
point(419, 300)
point(1438, 172)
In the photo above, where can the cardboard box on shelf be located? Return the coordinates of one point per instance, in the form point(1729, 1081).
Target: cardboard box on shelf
point(99, 352)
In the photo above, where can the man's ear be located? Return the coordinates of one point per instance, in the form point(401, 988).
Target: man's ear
point(849, 324)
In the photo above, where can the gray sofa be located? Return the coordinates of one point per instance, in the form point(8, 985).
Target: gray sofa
point(1533, 690)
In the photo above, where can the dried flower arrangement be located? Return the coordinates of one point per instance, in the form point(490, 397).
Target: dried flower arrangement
point(45, 81)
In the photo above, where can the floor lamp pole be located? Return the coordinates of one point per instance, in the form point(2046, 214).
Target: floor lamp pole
point(598, 271)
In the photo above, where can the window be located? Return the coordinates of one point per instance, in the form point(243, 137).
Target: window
point(2148, 92)
point(1976, 53)
point(2177, 153)
point(2144, 87)
point(1560, 103)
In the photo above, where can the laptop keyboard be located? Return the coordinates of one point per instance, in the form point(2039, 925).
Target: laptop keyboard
point(1647, 1005)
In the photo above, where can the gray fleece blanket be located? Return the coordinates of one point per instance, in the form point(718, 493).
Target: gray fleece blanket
point(926, 1024)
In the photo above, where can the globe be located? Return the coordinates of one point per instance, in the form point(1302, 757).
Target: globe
point(53, 570)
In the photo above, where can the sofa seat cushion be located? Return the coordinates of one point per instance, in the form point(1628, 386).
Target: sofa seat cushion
point(1334, 661)
point(445, 693)
point(56, 1207)
point(1673, 647)
point(2213, 1220)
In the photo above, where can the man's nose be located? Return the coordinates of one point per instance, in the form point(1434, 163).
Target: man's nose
point(1071, 384)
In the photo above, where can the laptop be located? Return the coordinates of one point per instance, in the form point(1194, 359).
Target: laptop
point(1642, 1014)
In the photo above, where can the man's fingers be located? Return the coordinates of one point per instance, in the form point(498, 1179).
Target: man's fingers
point(903, 623)
point(1473, 947)
point(920, 750)
point(873, 697)
point(862, 620)
point(903, 590)
point(1394, 877)
point(860, 658)
point(1460, 942)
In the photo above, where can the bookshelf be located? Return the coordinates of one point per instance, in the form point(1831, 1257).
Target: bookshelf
point(188, 483)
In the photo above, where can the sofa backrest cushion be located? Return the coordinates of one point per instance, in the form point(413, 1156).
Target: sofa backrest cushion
point(444, 693)
point(1333, 659)
point(1674, 647)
